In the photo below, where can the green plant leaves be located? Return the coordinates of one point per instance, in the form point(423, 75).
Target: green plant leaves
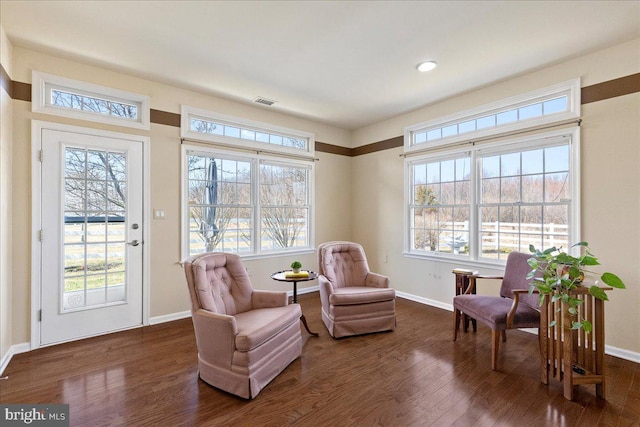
point(555, 273)
point(597, 292)
point(613, 281)
point(589, 260)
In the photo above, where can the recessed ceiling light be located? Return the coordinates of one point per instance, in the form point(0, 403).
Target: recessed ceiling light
point(427, 66)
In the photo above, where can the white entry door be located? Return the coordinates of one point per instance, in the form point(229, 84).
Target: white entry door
point(91, 242)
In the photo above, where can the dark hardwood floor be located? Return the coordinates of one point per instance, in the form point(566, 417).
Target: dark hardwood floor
point(413, 376)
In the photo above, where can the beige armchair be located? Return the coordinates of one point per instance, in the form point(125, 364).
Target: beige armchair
point(245, 337)
point(354, 300)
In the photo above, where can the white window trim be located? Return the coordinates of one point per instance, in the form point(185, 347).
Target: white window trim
point(42, 83)
point(188, 113)
point(570, 88)
point(257, 253)
point(474, 258)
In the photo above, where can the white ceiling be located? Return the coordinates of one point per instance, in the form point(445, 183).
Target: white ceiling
point(348, 64)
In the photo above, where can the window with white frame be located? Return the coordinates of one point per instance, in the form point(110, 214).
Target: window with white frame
point(203, 125)
point(480, 200)
point(440, 205)
point(73, 98)
point(246, 201)
point(525, 197)
point(542, 107)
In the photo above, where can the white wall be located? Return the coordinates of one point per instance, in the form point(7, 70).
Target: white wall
point(5, 198)
point(610, 165)
point(168, 289)
point(357, 198)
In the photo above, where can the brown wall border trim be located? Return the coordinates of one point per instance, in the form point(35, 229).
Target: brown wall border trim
point(21, 91)
point(5, 82)
point(323, 147)
point(386, 144)
point(597, 92)
point(610, 89)
point(164, 118)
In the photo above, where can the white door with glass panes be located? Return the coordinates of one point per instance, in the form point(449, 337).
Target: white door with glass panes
point(92, 228)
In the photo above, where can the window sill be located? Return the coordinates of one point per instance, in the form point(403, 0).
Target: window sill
point(460, 261)
point(281, 254)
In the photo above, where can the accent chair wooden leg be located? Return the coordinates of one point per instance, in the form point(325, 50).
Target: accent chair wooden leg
point(504, 335)
point(495, 346)
point(456, 323)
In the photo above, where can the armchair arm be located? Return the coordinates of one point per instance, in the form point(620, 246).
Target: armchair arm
point(472, 281)
point(215, 336)
point(267, 299)
point(514, 305)
point(376, 280)
point(326, 289)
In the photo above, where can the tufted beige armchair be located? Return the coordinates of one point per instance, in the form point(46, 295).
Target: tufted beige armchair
point(354, 300)
point(245, 337)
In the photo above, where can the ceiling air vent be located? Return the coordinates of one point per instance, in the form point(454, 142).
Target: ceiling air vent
point(264, 101)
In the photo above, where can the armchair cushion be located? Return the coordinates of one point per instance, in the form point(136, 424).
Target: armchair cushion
point(255, 327)
point(492, 311)
point(221, 286)
point(344, 264)
point(360, 295)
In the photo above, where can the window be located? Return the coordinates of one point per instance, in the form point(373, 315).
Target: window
point(71, 98)
point(489, 201)
point(219, 128)
point(250, 203)
point(550, 105)
point(204, 125)
point(480, 200)
point(525, 199)
point(219, 203)
point(440, 215)
point(284, 206)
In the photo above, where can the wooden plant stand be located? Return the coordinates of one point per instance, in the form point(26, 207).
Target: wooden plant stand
point(573, 356)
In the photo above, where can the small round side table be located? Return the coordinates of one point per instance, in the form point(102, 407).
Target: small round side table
point(280, 276)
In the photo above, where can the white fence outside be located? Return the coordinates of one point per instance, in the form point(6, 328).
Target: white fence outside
point(502, 237)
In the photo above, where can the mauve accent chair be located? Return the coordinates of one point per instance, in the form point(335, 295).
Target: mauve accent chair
point(354, 300)
point(513, 309)
point(245, 337)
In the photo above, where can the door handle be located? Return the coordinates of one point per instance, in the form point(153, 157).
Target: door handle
point(134, 243)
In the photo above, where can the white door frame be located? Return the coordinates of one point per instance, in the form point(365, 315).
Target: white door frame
point(36, 215)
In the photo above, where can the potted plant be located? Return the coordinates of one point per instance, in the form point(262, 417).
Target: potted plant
point(296, 266)
point(555, 273)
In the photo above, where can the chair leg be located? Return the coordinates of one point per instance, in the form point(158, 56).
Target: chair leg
point(495, 346)
point(456, 323)
point(504, 335)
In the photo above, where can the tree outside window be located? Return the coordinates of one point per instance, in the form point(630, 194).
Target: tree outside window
point(222, 210)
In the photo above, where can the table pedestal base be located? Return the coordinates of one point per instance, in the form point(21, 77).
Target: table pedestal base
point(304, 322)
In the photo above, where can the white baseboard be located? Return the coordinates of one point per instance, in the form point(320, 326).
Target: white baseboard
point(622, 353)
point(169, 317)
point(426, 301)
point(13, 350)
point(631, 356)
point(303, 291)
